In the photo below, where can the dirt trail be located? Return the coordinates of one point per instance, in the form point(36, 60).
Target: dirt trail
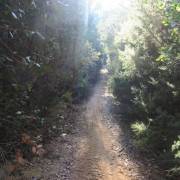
point(97, 155)
point(99, 151)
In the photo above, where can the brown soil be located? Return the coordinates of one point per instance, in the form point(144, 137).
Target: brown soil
point(101, 153)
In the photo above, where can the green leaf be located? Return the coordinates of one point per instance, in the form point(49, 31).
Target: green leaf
point(165, 22)
point(161, 5)
point(162, 58)
point(178, 8)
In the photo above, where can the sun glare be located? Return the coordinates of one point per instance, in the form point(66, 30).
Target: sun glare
point(108, 5)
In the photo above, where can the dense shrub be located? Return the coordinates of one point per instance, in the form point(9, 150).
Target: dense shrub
point(45, 58)
point(145, 73)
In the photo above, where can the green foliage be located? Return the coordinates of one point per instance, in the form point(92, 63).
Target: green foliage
point(145, 72)
point(44, 58)
point(176, 148)
point(141, 134)
point(121, 85)
point(139, 128)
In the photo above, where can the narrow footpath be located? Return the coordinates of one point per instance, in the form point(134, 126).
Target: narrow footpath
point(99, 148)
point(101, 151)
